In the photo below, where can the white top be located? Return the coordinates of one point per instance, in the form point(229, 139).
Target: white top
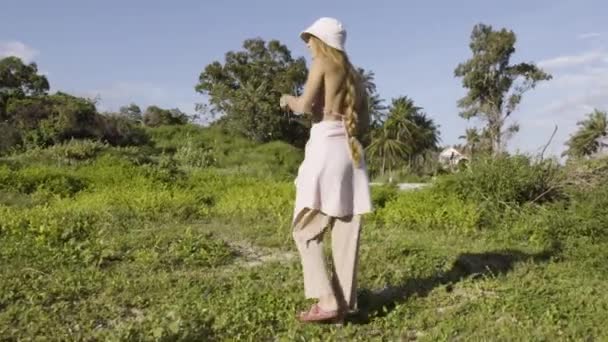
point(327, 179)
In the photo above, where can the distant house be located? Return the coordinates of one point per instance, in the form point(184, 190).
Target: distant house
point(451, 158)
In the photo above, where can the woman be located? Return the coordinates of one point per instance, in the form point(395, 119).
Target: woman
point(332, 183)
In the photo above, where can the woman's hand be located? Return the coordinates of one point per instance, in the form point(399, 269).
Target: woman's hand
point(284, 101)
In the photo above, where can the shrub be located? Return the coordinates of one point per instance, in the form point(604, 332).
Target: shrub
point(217, 147)
point(427, 209)
point(585, 174)
point(258, 200)
point(46, 120)
point(506, 180)
point(195, 155)
point(155, 116)
point(32, 179)
point(121, 131)
point(10, 137)
point(381, 195)
point(197, 249)
point(53, 226)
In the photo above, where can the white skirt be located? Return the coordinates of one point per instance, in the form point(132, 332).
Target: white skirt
point(327, 179)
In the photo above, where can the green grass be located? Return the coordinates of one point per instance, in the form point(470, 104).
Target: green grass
point(130, 244)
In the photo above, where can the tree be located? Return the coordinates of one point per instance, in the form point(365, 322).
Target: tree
point(495, 87)
point(18, 80)
point(156, 116)
point(425, 137)
point(118, 130)
point(406, 135)
point(376, 108)
point(386, 148)
point(585, 141)
point(246, 89)
point(49, 119)
point(475, 141)
point(132, 112)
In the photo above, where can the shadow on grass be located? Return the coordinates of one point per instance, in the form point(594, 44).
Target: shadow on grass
point(379, 303)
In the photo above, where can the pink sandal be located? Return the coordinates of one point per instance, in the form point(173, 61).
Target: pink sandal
point(318, 315)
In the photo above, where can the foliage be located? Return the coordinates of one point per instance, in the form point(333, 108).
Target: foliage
point(476, 142)
point(33, 179)
point(10, 137)
point(425, 209)
point(506, 180)
point(585, 141)
point(156, 116)
point(146, 246)
point(247, 87)
point(405, 138)
point(383, 194)
point(47, 120)
point(131, 112)
point(375, 103)
point(494, 86)
point(585, 174)
point(51, 119)
point(122, 131)
point(18, 80)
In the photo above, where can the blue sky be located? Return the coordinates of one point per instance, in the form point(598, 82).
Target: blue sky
point(151, 52)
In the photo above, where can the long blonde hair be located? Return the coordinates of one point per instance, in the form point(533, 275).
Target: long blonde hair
point(356, 115)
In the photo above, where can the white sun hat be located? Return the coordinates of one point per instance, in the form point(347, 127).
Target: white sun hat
point(329, 30)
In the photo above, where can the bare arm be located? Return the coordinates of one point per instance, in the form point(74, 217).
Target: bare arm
point(314, 84)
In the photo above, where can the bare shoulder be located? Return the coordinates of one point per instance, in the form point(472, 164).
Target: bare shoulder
point(328, 66)
point(321, 63)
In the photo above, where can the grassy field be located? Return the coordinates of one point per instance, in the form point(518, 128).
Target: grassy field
point(189, 240)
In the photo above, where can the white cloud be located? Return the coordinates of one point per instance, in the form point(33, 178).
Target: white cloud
point(18, 49)
point(579, 85)
point(589, 35)
point(571, 61)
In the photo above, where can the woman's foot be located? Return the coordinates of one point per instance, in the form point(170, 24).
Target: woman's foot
point(317, 315)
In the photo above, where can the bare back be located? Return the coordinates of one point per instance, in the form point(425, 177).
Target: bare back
point(333, 91)
point(325, 91)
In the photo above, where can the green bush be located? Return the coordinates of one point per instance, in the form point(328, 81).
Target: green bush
point(257, 200)
point(77, 150)
point(383, 194)
point(203, 147)
point(507, 180)
point(195, 156)
point(47, 120)
point(581, 174)
point(10, 137)
point(46, 179)
point(201, 250)
point(155, 116)
point(49, 225)
point(428, 209)
point(121, 131)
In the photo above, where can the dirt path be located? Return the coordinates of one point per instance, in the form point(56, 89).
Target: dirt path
point(253, 256)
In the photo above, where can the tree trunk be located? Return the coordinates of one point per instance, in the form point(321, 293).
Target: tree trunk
point(497, 135)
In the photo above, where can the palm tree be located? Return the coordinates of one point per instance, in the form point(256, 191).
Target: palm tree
point(472, 140)
point(386, 148)
point(399, 118)
point(585, 141)
point(426, 132)
point(407, 134)
point(425, 138)
point(376, 107)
